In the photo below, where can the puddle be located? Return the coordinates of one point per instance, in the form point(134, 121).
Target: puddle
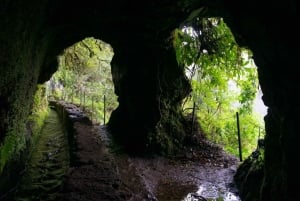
point(212, 192)
point(171, 180)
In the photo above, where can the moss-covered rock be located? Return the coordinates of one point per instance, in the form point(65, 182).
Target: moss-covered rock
point(249, 176)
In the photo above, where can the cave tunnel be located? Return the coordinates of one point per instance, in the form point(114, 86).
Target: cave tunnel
point(83, 77)
point(148, 82)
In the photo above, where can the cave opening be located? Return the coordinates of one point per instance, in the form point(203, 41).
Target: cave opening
point(224, 82)
point(33, 33)
point(84, 78)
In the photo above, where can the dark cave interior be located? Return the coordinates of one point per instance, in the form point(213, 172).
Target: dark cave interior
point(33, 33)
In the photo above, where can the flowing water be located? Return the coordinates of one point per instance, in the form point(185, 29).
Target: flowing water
point(48, 164)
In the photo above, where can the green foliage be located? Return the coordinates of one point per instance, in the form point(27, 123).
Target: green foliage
point(186, 46)
point(224, 81)
point(84, 77)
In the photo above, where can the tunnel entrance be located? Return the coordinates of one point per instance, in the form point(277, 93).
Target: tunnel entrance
point(33, 34)
point(84, 79)
point(224, 83)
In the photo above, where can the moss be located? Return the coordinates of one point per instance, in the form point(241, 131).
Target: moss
point(249, 176)
point(170, 133)
point(40, 112)
point(22, 134)
point(19, 137)
point(21, 57)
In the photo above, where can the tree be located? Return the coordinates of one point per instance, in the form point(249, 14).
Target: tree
point(223, 78)
point(85, 77)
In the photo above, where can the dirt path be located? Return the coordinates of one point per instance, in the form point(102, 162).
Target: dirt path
point(94, 176)
point(185, 178)
point(99, 174)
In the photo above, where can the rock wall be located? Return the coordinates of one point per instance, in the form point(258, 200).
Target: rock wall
point(147, 79)
point(21, 56)
point(266, 27)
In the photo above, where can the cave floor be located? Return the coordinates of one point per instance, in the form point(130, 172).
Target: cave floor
point(101, 173)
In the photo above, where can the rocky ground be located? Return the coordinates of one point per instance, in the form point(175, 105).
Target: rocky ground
point(99, 173)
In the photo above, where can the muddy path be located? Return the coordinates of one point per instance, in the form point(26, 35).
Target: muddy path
point(100, 173)
point(178, 179)
point(172, 180)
